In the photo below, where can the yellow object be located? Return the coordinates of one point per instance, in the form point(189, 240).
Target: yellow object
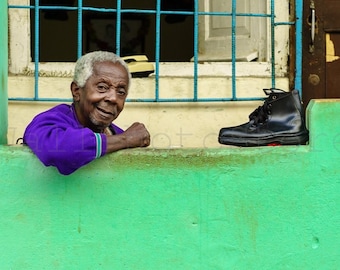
point(139, 65)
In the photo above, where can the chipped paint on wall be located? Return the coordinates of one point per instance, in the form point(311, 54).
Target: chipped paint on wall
point(330, 50)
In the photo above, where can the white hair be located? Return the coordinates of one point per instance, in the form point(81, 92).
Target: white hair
point(84, 65)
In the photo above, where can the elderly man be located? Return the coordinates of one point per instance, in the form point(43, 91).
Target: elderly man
point(70, 136)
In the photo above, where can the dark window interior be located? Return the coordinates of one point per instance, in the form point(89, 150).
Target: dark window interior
point(58, 30)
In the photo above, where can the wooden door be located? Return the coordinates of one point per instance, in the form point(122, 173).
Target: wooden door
point(321, 57)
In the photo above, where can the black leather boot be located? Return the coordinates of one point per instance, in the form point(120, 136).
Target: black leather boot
point(279, 121)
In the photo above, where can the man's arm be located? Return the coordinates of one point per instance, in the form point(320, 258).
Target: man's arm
point(66, 148)
point(69, 148)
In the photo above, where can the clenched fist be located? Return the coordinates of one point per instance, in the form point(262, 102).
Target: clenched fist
point(135, 136)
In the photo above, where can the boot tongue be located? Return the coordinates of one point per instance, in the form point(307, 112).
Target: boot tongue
point(269, 91)
point(254, 114)
point(274, 94)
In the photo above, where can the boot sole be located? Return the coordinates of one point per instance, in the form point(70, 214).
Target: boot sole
point(290, 139)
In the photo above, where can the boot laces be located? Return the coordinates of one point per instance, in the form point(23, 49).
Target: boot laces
point(260, 115)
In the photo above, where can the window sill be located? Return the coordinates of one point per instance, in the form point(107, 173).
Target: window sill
point(174, 69)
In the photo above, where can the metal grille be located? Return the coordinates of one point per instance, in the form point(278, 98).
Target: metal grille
point(80, 8)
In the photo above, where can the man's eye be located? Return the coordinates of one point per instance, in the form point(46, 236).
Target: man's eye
point(102, 88)
point(121, 91)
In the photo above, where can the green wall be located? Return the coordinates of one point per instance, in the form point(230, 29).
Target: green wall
point(228, 208)
point(3, 72)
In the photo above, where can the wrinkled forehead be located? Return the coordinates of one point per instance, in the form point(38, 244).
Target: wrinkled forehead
point(110, 71)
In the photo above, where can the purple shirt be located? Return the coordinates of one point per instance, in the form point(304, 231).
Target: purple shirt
point(58, 139)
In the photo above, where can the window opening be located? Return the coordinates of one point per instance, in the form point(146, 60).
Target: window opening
point(156, 28)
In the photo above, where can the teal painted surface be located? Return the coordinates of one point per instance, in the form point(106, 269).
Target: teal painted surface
point(228, 208)
point(3, 72)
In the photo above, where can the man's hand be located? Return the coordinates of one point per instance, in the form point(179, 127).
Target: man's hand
point(135, 136)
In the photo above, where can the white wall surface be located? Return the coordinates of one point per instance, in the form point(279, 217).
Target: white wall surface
point(171, 125)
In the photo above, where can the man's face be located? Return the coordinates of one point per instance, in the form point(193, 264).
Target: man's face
point(103, 97)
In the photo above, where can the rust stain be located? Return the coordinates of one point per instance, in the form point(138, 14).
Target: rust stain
point(20, 217)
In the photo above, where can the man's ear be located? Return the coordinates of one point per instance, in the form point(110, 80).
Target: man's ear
point(75, 89)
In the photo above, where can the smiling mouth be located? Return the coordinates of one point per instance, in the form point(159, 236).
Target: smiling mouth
point(104, 111)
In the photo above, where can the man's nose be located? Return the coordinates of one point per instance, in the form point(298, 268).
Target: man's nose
point(111, 95)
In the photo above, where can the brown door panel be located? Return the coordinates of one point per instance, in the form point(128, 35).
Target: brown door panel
point(330, 14)
point(313, 63)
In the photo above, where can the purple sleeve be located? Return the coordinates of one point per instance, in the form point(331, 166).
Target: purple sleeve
point(63, 145)
point(117, 130)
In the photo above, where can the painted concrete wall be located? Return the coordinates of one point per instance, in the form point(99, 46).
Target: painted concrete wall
point(3, 72)
point(230, 208)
